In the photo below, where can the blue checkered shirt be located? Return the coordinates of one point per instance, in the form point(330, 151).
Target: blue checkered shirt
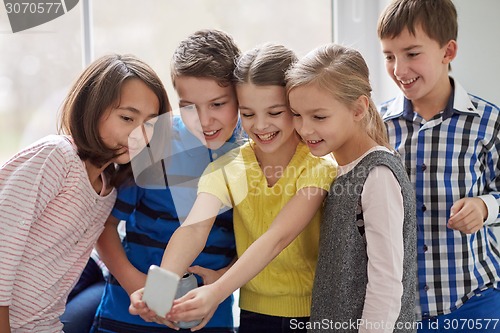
point(453, 155)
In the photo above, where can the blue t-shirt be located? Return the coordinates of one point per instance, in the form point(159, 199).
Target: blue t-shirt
point(153, 212)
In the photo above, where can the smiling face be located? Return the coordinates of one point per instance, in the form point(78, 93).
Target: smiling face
point(418, 65)
point(138, 104)
point(265, 117)
point(216, 106)
point(327, 125)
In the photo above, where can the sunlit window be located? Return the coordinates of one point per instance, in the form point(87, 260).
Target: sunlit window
point(38, 65)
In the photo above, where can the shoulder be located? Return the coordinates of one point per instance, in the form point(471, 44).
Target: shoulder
point(485, 108)
point(304, 158)
point(466, 102)
point(52, 149)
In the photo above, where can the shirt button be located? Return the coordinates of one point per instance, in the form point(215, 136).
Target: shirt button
point(22, 222)
point(96, 200)
point(424, 208)
point(426, 287)
point(425, 248)
point(424, 167)
point(214, 155)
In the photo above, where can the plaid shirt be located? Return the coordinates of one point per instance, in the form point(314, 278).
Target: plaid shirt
point(453, 155)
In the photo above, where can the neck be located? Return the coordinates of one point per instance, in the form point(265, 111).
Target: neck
point(94, 174)
point(280, 158)
point(354, 149)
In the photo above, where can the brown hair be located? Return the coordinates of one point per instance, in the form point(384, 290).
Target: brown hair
point(264, 65)
point(438, 19)
point(207, 54)
point(343, 73)
point(97, 89)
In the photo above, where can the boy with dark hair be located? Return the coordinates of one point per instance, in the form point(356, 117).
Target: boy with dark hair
point(450, 143)
point(202, 74)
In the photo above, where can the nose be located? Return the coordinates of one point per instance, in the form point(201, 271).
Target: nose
point(138, 134)
point(260, 123)
point(400, 68)
point(303, 127)
point(205, 116)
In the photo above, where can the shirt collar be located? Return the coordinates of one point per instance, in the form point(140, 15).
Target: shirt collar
point(459, 103)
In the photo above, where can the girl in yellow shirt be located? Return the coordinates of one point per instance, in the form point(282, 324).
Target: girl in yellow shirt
point(276, 188)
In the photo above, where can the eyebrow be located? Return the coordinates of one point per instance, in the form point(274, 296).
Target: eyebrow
point(406, 49)
point(135, 111)
point(309, 111)
point(211, 100)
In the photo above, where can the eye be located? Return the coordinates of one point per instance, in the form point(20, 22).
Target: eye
point(319, 117)
point(275, 114)
point(126, 118)
point(413, 55)
point(246, 115)
point(295, 114)
point(389, 57)
point(218, 104)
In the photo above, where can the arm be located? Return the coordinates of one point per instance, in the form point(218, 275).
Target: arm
point(383, 213)
point(470, 214)
point(4, 319)
point(112, 254)
point(184, 246)
point(188, 241)
point(292, 219)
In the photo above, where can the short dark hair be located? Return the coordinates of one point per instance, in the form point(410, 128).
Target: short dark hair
point(208, 53)
point(438, 19)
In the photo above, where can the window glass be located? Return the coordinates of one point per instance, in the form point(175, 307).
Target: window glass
point(38, 65)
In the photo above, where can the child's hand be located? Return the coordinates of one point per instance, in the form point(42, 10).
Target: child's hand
point(468, 215)
point(208, 275)
point(198, 303)
point(139, 307)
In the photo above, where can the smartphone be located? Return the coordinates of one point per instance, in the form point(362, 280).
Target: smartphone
point(160, 289)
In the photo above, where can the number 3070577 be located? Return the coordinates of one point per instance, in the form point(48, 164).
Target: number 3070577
point(33, 7)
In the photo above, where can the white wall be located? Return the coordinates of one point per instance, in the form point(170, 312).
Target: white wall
point(477, 65)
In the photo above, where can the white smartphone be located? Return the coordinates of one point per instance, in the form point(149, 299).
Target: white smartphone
point(160, 289)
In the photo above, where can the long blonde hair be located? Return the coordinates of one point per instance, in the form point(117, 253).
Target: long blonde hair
point(342, 72)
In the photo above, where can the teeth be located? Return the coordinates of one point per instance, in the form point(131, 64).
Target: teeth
point(210, 133)
point(409, 81)
point(266, 137)
point(314, 141)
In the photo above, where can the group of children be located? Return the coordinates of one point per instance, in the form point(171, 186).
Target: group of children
point(326, 213)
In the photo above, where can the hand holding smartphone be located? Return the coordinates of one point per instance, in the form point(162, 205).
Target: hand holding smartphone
point(160, 290)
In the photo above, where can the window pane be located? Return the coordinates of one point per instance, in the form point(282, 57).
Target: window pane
point(38, 65)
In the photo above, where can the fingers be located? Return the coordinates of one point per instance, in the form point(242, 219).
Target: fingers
point(467, 215)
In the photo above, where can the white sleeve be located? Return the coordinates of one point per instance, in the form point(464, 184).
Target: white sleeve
point(383, 213)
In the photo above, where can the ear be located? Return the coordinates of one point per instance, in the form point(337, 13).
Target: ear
point(361, 107)
point(450, 51)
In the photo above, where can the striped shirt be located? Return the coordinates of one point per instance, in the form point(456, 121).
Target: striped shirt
point(50, 218)
point(453, 155)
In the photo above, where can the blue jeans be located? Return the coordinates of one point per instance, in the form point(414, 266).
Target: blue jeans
point(83, 300)
point(251, 322)
point(481, 313)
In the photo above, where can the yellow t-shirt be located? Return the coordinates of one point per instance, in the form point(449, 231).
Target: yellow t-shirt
point(284, 287)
